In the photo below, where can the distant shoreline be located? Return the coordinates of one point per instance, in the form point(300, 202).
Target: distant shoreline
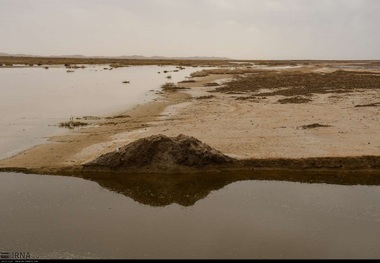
point(116, 61)
point(141, 60)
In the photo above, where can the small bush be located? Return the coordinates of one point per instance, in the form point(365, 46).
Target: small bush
point(72, 124)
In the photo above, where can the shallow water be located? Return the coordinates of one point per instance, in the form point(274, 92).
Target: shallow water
point(33, 101)
point(66, 217)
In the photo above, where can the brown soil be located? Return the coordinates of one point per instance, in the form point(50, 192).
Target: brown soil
point(160, 153)
point(305, 84)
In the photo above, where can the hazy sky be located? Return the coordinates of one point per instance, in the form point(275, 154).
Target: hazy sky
point(242, 29)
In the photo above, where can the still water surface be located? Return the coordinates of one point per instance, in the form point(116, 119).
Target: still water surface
point(33, 101)
point(65, 217)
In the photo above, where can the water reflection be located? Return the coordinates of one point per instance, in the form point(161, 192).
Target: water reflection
point(68, 217)
point(186, 189)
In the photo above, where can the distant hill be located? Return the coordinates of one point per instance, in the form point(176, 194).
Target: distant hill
point(121, 57)
point(14, 55)
point(179, 58)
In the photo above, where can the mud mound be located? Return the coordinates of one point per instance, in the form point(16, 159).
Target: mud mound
point(161, 153)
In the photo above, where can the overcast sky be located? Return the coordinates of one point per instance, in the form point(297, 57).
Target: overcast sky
point(241, 29)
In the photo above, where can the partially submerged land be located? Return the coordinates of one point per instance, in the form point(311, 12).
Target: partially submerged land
point(270, 115)
point(7, 61)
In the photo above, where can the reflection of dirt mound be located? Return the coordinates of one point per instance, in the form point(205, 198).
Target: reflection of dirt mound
point(161, 153)
point(187, 189)
point(163, 189)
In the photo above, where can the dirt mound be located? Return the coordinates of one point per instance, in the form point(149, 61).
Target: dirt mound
point(161, 153)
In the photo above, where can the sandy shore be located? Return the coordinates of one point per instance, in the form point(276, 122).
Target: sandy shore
point(259, 127)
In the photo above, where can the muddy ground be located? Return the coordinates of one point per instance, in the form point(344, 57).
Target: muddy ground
point(309, 115)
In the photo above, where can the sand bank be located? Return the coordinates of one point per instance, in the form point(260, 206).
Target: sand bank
point(240, 125)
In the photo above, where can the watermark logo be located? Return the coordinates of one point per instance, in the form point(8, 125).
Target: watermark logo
point(15, 255)
point(5, 255)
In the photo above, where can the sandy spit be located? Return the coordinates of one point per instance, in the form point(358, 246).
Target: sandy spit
point(259, 128)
